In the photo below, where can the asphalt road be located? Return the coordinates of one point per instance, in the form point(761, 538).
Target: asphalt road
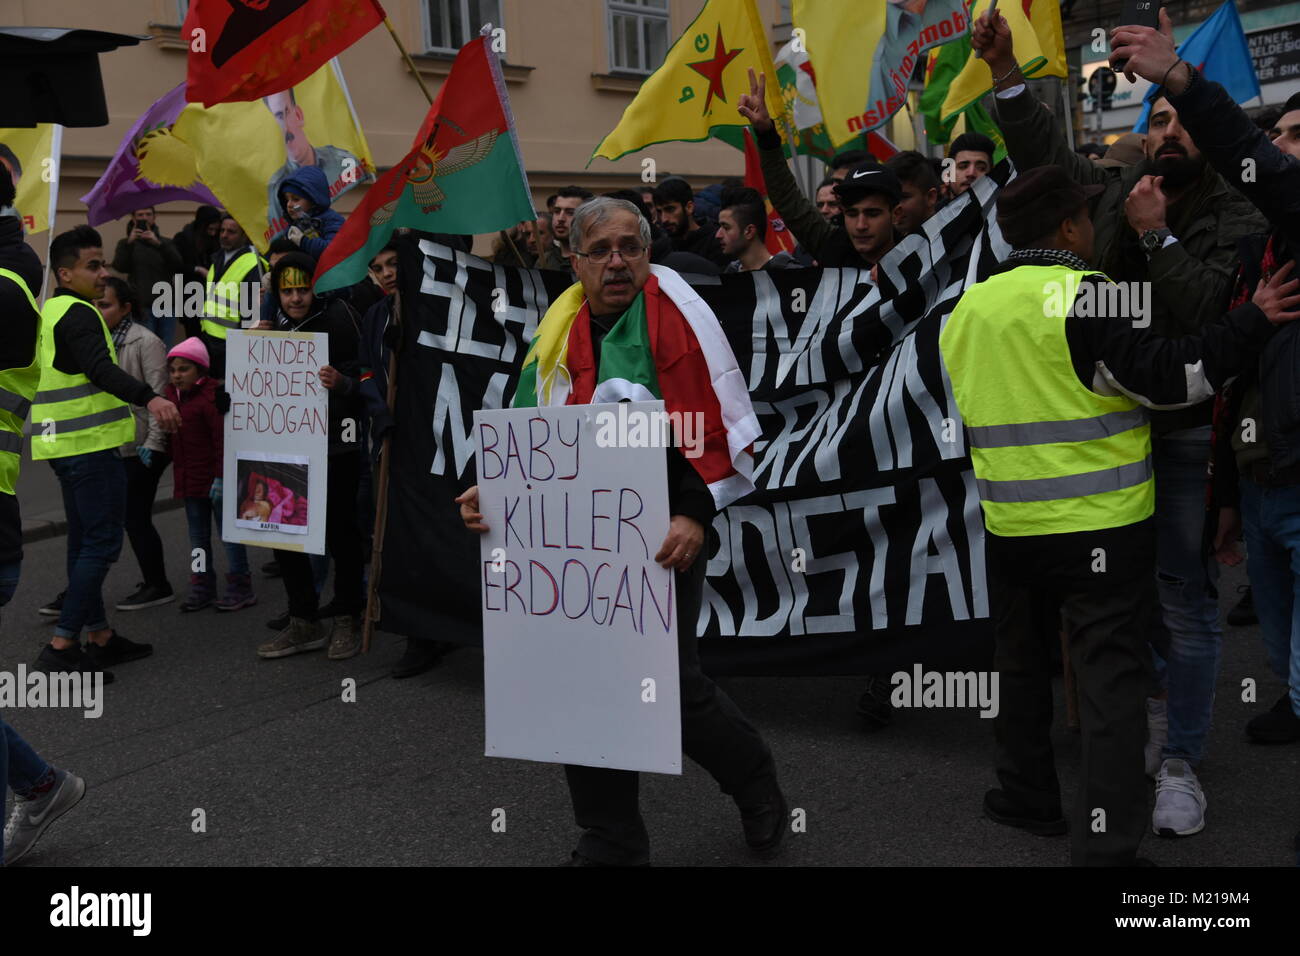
point(287, 773)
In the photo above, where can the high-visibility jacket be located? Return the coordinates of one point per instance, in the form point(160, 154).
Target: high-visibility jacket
point(1050, 455)
point(17, 389)
point(71, 416)
point(221, 302)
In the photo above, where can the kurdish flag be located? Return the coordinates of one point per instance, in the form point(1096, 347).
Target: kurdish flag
point(1039, 44)
point(702, 77)
point(668, 345)
point(464, 173)
point(943, 67)
point(242, 50)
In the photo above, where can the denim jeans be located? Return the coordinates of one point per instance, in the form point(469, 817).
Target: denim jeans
point(163, 326)
point(1270, 518)
point(201, 514)
point(94, 500)
point(21, 768)
point(1186, 576)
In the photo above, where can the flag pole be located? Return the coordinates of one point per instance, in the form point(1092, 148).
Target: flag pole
point(410, 65)
point(381, 498)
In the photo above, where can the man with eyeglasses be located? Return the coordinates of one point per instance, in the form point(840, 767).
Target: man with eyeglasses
point(626, 300)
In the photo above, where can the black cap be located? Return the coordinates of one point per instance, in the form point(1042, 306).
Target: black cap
point(1033, 204)
point(866, 178)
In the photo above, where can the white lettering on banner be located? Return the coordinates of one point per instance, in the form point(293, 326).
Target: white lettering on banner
point(461, 310)
point(448, 418)
point(934, 530)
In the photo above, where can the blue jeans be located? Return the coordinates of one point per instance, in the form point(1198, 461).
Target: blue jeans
point(1186, 575)
point(21, 768)
point(1270, 518)
point(163, 326)
point(201, 514)
point(94, 500)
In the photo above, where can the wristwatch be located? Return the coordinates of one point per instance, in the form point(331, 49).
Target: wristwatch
point(1153, 239)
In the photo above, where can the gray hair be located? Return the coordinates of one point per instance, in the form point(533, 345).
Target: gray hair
point(595, 211)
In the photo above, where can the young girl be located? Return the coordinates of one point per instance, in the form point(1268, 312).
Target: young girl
point(197, 460)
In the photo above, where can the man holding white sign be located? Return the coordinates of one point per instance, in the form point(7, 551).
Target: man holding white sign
point(626, 334)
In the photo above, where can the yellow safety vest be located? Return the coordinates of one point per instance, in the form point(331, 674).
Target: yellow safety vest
point(1051, 456)
point(70, 416)
point(17, 389)
point(221, 303)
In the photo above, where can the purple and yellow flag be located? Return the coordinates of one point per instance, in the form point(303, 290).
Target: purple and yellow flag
point(125, 186)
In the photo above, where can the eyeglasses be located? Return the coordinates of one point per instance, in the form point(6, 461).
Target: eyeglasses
point(629, 252)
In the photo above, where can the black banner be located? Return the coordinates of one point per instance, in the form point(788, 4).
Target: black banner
point(861, 549)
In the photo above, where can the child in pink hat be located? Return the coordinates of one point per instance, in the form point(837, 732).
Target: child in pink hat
point(198, 457)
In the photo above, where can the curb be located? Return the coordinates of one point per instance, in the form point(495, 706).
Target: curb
point(36, 529)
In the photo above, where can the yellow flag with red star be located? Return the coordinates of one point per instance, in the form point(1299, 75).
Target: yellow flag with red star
point(700, 82)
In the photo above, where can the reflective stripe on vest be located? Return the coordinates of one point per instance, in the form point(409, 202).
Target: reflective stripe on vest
point(221, 303)
point(17, 387)
point(70, 415)
point(1050, 455)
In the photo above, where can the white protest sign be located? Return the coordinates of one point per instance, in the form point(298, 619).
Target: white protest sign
point(277, 440)
point(579, 622)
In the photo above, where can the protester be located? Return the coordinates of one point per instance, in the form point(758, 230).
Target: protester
point(234, 278)
point(508, 248)
point(198, 459)
point(970, 157)
point(1093, 151)
point(270, 302)
point(141, 355)
point(1168, 229)
point(79, 437)
point(742, 232)
point(304, 199)
point(714, 732)
point(1128, 150)
point(919, 188)
point(147, 260)
point(567, 200)
point(1070, 481)
point(1257, 468)
point(842, 163)
point(197, 243)
point(301, 311)
point(42, 793)
point(675, 211)
point(868, 196)
point(662, 252)
point(827, 202)
point(545, 237)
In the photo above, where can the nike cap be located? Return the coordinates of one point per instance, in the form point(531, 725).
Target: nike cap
point(866, 178)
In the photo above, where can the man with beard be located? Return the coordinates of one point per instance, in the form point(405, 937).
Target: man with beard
point(1168, 228)
point(557, 254)
point(675, 211)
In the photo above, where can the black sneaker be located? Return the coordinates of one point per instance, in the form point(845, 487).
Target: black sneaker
point(279, 622)
point(1279, 726)
point(147, 595)
point(1000, 808)
point(272, 570)
point(873, 706)
point(118, 650)
point(70, 660)
point(54, 608)
point(1244, 614)
point(420, 656)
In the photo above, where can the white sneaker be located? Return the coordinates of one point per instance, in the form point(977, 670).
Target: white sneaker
point(1157, 733)
point(1180, 804)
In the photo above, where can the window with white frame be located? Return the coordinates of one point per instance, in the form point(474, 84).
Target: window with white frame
point(638, 35)
point(182, 8)
point(450, 24)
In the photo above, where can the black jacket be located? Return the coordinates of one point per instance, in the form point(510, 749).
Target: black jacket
point(336, 319)
point(378, 333)
point(80, 348)
point(702, 242)
point(19, 332)
point(1232, 143)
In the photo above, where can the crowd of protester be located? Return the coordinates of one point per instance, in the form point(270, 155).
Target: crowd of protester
point(1170, 209)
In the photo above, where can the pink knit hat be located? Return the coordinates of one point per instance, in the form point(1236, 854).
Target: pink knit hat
point(192, 349)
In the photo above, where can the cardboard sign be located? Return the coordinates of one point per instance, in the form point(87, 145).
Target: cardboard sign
point(579, 622)
point(276, 440)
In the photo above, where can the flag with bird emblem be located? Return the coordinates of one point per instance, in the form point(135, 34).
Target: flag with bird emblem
point(463, 174)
